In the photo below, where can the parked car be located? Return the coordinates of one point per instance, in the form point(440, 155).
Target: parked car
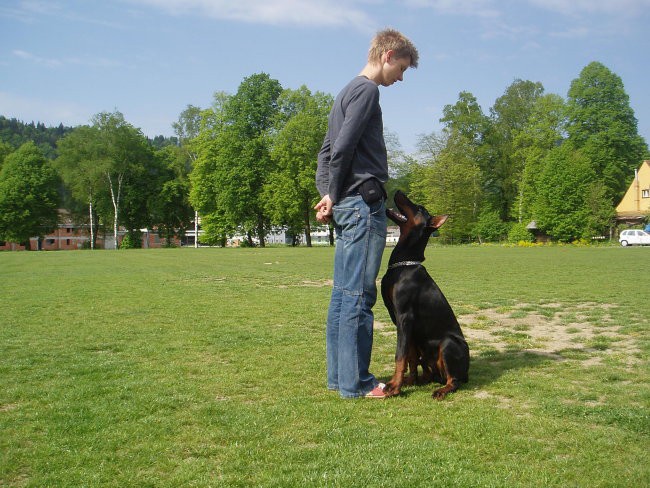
point(634, 236)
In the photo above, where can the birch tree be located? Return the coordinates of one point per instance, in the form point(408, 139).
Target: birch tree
point(81, 168)
point(124, 156)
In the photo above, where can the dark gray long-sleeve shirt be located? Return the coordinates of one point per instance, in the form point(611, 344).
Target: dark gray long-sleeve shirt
point(354, 149)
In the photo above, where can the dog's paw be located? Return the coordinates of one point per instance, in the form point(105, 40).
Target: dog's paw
point(439, 394)
point(392, 389)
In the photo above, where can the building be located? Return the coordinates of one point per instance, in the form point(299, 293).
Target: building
point(70, 235)
point(634, 208)
point(67, 236)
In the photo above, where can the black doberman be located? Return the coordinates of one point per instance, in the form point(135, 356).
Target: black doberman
point(428, 333)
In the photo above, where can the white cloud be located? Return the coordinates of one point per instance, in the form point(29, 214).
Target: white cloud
point(477, 8)
point(40, 7)
point(610, 7)
point(274, 12)
point(31, 11)
point(57, 63)
point(578, 32)
point(494, 8)
point(51, 63)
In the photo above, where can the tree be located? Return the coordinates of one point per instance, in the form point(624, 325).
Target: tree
point(238, 160)
point(401, 167)
point(467, 126)
point(466, 118)
point(188, 128)
point(203, 184)
point(111, 167)
point(5, 150)
point(602, 125)
point(565, 188)
point(489, 227)
point(82, 169)
point(600, 212)
point(449, 183)
point(171, 210)
point(289, 192)
point(28, 195)
point(17, 133)
point(188, 125)
point(543, 132)
point(509, 117)
point(129, 167)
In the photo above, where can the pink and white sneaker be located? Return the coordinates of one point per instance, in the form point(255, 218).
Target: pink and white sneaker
point(377, 392)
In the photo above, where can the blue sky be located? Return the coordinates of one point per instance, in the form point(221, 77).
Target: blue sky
point(66, 60)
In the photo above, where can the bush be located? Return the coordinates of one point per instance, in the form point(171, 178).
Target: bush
point(131, 241)
point(518, 233)
point(489, 227)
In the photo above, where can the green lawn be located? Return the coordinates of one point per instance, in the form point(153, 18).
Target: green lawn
point(206, 367)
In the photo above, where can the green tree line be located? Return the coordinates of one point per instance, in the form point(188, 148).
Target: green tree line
point(247, 164)
point(562, 163)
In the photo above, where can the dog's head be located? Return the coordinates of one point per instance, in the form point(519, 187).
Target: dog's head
point(412, 218)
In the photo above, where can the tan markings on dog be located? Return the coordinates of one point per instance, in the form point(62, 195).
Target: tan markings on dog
point(393, 387)
point(440, 363)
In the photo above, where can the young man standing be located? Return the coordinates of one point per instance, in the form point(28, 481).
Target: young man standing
point(352, 168)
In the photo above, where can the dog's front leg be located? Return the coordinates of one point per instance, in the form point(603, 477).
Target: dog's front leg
point(394, 386)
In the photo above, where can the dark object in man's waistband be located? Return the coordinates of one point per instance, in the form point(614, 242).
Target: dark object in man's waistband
point(372, 191)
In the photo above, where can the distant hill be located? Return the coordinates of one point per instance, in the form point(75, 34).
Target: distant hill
point(16, 133)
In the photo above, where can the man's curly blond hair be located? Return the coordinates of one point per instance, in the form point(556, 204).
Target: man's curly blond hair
point(390, 39)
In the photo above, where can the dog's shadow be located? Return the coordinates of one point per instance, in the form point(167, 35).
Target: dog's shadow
point(487, 368)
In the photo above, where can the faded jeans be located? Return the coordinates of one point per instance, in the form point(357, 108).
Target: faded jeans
point(360, 241)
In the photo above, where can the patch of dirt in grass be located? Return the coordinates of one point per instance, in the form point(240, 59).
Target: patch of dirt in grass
point(383, 328)
point(309, 284)
point(585, 331)
point(8, 407)
point(318, 284)
point(503, 402)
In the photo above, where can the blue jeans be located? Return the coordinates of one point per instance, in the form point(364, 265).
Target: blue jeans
point(360, 241)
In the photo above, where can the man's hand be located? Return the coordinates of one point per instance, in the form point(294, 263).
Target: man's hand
point(324, 210)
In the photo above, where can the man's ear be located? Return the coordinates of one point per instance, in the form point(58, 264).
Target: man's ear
point(437, 221)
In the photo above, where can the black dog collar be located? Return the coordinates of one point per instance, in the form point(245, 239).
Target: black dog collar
point(405, 263)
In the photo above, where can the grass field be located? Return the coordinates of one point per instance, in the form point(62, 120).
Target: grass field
point(206, 367)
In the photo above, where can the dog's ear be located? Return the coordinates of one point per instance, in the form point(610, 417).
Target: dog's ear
point(437, 221)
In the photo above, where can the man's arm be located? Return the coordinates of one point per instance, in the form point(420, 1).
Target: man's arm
point(362, 104)
point(323, 167)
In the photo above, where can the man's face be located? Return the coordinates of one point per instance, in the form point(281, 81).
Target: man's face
point(393, 68)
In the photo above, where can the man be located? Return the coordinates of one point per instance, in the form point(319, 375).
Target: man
point(352, 167)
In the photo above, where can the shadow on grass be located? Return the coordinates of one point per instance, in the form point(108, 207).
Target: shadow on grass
point(488, 367)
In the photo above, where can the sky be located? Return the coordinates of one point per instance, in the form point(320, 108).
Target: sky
point(63, 61)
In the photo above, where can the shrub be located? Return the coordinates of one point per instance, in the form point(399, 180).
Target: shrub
point(131, 241)
point(519, 233)
point(489, 227)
